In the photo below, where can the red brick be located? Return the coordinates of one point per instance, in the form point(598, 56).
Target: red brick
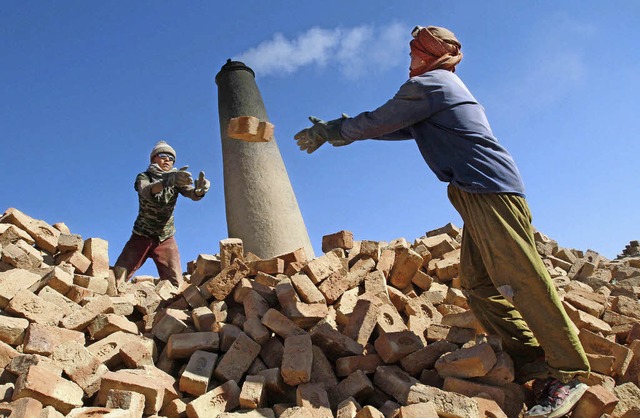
point(97, 252)
point(230, 249)
point(418, 410)
point(43, 339)
point(76, 259)
point(45, 236)
point(314, 397)
point(80, 319)
point(340, 239)
point(225, 397)
point(297, 359)
point(333, 342)
point(350, 364)
point(203, 318)
point(127, 400)
point(155, 386)
point(253, 393)
point(20, 364)
point(595, 402)
point(356, 385)
point(253, 328)
point(41, 384)
point(306, 289)
point(196, 376)
point(59, 280)
point(6, 354)
point(172, 322)
point(13, 281)
point(277, 389)
point(32, 307)
point(271, 352)
point(370, 249)
point(136, 354)
point(407, 390)
point(426, 357)
point(21, 408)
point(393, 346)
point(439, 244)
point(250, 129)
point(222, 284)
point(280, 324)
point(596, 344)
point(106, 324)
point(80, 365)
point(322, 369)
point(471, 389)
point(467, 362)
point(237, 360)
point(335, 285)
point(107, 350)
point(185, 344)
point(12, 330)
point(324, 266)
point(254, 304)
point(348, 408)
point(21, 256)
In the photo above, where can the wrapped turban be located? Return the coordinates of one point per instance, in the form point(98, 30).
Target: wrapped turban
point(438, 47)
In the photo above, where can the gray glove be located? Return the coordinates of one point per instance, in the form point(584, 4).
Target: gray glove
point(340, 141)
point(179, 178)
point(310, 139)
point(201, 185)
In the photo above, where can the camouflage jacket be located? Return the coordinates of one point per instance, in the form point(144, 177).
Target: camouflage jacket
point(155, 212)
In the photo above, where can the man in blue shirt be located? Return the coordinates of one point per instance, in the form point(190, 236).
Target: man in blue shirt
point(507, 285)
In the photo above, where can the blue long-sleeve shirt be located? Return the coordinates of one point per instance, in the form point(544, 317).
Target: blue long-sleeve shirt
point(451, 130)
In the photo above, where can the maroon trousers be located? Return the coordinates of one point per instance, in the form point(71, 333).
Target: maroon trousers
point(164, 254)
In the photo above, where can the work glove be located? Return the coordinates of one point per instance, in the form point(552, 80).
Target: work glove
point(201, 184)
point(310, 139)
point(179, 178)
point(340, 141)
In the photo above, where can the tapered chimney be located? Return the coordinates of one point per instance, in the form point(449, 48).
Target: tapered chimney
point(261, 206)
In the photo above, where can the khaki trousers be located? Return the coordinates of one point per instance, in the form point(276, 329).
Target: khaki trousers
point(507, 285)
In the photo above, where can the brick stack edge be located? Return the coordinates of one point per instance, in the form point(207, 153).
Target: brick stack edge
point(368, 329)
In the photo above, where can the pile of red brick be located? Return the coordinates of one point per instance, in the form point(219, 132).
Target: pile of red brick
point(368, 329)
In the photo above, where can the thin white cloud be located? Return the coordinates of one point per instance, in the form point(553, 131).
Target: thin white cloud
point(353, 51)
point(556, 63)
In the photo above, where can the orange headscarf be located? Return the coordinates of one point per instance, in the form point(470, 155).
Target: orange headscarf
point(439, 47)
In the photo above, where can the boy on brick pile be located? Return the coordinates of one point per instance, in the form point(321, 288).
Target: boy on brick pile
point(153, 230)
point(507, 285)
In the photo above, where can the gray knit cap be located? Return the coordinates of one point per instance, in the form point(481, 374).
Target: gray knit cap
point(162, 146)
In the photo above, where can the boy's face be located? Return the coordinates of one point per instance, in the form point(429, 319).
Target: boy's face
point(164, 160)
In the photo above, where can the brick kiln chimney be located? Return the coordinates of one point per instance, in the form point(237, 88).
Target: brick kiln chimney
point(261, 206)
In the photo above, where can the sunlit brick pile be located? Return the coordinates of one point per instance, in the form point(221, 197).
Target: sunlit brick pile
point(368, 329)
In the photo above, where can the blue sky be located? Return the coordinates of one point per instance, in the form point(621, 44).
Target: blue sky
point(88, 87)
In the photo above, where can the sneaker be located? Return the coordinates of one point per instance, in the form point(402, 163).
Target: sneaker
point(558, 399)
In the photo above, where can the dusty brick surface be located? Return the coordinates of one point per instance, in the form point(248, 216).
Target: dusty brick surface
point(43, 339)
point(297, 359)
point(197, 374)
point(48, 388)
point(369, 328)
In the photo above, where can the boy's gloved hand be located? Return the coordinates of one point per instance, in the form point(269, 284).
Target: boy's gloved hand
point(179, 178)
point(201, 185)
